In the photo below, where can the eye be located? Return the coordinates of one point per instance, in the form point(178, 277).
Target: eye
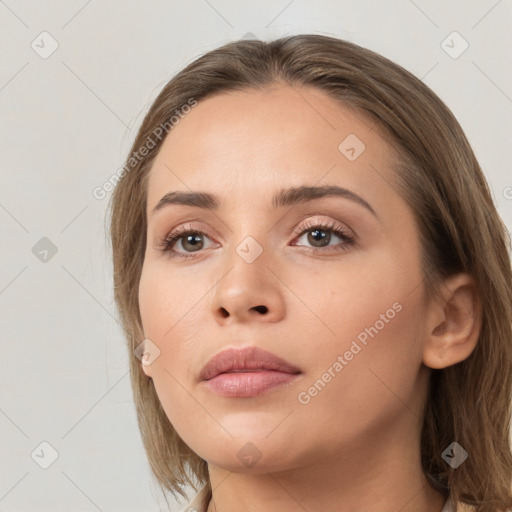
point(320, 235)
point(189, 239)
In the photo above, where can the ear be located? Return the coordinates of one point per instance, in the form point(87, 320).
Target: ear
point(453, 322)
point(147, 353)
point(146, 368)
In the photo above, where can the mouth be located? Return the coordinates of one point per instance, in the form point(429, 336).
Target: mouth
point(247, 383)
point(249, 359)
point(247, 372)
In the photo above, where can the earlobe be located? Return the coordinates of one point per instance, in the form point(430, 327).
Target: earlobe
point(453, 323)
point(146, 368)
point(147, 355)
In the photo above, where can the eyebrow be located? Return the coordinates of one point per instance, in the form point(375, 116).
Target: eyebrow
point(285, 197)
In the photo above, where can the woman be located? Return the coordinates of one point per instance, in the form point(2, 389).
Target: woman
point(315, 287)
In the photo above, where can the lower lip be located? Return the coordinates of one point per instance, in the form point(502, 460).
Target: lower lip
point(247, 384)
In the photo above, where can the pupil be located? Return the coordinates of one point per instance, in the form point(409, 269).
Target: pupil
point(324, 238)
point(194, 240)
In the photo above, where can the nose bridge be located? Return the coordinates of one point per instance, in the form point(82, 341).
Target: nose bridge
point(249, 235)
point(248, 287)
point(249, 257)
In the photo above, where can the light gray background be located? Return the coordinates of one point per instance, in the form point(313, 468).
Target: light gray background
point(67, 123)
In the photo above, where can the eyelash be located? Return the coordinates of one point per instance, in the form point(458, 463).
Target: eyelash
point(303, 228)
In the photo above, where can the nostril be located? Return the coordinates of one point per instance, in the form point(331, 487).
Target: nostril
point(261, 309)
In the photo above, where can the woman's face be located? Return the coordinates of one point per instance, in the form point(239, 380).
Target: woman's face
point(343, 303)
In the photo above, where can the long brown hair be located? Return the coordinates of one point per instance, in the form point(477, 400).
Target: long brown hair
point(459, 228)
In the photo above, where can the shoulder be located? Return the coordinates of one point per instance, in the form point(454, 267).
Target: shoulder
point(200, 501)
point(451, 506)
point(462, 507)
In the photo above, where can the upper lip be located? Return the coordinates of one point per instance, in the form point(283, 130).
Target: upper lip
point(250, 358)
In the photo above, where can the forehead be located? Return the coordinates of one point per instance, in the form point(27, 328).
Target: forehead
point(253, 142)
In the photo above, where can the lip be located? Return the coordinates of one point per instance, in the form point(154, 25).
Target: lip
point(247, 372)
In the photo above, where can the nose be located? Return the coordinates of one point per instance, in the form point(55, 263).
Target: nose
point(248, 292)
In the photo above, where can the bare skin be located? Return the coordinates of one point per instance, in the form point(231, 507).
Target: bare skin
point(354, 445)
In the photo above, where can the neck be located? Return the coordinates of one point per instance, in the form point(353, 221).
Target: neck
point(382, 470)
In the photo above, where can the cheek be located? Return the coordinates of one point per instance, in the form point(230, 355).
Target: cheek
point(156, 301)
point(373, 318)
point(368, 295)
point(168, 320)
point(363, 379)
point(168, 302)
